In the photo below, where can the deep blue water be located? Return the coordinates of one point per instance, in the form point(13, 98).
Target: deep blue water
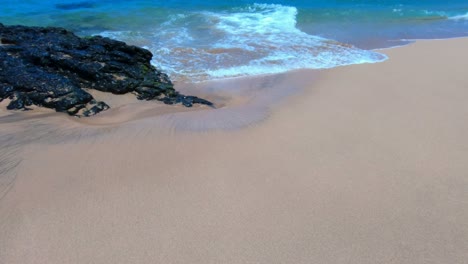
point(200, 40)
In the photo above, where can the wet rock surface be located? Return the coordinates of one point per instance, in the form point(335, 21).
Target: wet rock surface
point(53, 68)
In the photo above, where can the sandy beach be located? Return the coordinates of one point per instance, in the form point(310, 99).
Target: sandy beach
point(361, 164)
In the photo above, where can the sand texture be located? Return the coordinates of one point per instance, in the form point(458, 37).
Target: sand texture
point(364, 164)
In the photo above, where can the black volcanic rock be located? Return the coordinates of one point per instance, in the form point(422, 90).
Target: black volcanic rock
point(52, 67)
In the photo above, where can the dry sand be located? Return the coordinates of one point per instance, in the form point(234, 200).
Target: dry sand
point(366, 164)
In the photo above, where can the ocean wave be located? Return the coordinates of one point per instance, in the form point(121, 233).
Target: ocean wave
point(459, 17)
point(252, 40)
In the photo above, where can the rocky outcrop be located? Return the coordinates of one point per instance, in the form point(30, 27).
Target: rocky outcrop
point(52, 67)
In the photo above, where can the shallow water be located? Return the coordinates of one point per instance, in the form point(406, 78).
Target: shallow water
point(202, 40)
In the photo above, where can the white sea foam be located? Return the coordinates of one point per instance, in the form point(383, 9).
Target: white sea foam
point(459, 17)
point(270, 32)
point(258, 39)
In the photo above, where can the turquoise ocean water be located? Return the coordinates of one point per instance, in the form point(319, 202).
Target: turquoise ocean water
point(202, 40)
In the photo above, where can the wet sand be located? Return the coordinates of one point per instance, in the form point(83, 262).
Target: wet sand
point(359, 164)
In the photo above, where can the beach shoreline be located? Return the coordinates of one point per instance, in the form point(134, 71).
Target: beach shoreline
point(357, 164)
